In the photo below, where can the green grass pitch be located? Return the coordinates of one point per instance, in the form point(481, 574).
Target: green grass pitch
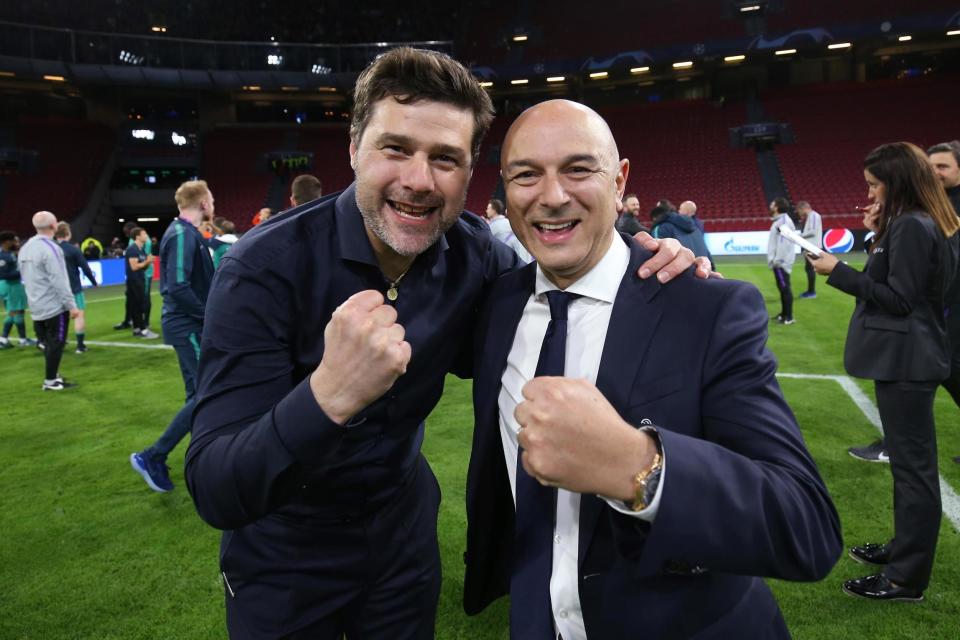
point(88, 551)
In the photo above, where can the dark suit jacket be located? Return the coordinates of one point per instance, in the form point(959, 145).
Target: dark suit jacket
point(741, 495)
point(898, 330)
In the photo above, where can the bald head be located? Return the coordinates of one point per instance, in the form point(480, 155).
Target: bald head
point(563, 178)
point(45, 223)
point(560, 117)
point(688, 208)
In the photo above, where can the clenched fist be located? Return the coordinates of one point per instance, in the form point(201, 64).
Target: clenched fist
point(364, 354)
point(574, 439)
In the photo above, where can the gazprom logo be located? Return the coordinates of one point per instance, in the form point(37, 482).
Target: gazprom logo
point(736, 243)
point(732, 246)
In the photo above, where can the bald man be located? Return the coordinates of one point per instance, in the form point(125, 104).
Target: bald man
point(632, 451)
point(50, 299)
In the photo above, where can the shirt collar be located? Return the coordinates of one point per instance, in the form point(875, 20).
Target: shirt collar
point(352, 234)
point(600, 283)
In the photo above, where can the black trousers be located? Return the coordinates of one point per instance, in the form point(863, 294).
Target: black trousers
point(811, 274)
point(137, 301)
point(782, 277)
point(364, 577)
point(53, 333)
point(906, 411)
point(126, 308)
point(147, 305)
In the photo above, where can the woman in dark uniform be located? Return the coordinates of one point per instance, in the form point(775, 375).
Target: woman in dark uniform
point(897, 338)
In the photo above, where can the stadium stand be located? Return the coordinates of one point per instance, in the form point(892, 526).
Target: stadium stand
point(234, 156)
point(71, 155)
point(678, 150)
point(641, 27)
point(681, 151)
point(230, 157)
point(836, 125)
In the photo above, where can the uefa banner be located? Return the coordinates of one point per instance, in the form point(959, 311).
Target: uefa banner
point(747, 243)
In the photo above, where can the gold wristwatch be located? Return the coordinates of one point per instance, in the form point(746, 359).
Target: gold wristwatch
point(645, 483)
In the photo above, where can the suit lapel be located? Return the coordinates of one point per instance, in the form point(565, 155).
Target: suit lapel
point(505, 310)
point(633, 320)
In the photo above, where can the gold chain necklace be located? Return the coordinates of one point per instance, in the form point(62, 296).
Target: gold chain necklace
point(392, 293)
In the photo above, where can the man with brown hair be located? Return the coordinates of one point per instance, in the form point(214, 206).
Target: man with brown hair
point(137, 261)
point(186, 272)
point(305, 188)
point(629, 219)
point(327, 341)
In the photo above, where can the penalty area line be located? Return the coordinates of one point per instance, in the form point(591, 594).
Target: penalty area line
point(128, 345)
point(948, 497)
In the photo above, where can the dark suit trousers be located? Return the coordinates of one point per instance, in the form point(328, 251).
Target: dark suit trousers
point(906, 411)
point(367, 577)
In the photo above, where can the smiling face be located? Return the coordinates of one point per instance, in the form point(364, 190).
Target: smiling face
point(563, 179)
point(412, 167)
point(945, 165)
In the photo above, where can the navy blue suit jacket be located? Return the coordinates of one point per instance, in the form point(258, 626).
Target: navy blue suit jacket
point(741, 496)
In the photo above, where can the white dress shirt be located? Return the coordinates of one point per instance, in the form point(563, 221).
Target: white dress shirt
point(587, 320)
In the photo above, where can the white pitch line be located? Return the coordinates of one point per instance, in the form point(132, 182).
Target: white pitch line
point(95, 300)
point(128, 345)
point(153, 294)
point(948, 497)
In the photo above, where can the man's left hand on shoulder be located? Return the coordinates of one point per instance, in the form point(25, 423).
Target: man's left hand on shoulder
point(573, 438)
point(670, 259)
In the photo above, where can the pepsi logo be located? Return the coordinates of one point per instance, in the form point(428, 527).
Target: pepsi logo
point(838, 240)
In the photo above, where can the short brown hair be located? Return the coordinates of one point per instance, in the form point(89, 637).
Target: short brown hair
point(136, 231)
point(63, 230)
point(410, 75)
point(305, 188)
point(497, 206)
point(191, 193)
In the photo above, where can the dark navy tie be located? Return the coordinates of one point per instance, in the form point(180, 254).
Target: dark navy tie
point(531, 615)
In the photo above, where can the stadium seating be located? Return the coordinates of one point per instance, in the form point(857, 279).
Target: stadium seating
point(678, 150)
point(817, 13)
point(639, 25)
point(836, 125)
point(71, 155)
point(681, 151)
point(234, 166)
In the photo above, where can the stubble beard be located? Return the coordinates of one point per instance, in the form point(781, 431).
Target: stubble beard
point(372, 204)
